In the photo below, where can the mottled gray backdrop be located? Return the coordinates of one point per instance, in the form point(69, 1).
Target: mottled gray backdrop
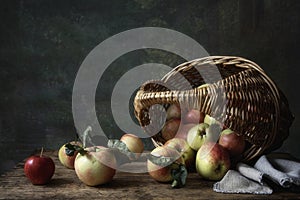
point(43, 43)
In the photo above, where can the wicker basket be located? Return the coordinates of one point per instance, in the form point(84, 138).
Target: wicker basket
point(233, 90)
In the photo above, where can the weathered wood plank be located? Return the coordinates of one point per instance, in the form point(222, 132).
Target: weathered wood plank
point(65, 185)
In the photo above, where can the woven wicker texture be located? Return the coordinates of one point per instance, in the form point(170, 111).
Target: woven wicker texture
point(233, 90)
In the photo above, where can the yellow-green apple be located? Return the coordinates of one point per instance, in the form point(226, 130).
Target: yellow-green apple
point(162, 172)
point(39, 169)
point(212, 161)
point(197, 136)
point(183, 130)
point(170, 129)
point(231, 141)
point(95, 166)
point(187, 153)
point(210, 120)
point(194, 116)
point(173, 112)
point(66, 156)
point(134, 144)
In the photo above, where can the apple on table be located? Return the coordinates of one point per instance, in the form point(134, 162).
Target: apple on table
point(39, 169)
point(66, 156)
point(187, 153)
point(95, 165)
point(163, 172)
point(134, 144)
point(212, 161)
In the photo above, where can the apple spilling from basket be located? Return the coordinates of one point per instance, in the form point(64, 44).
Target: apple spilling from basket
point(204, 142)
point(194, 141)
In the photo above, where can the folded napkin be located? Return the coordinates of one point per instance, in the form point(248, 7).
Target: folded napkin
point(250, 172)
point(234, 182)
point(282, 169)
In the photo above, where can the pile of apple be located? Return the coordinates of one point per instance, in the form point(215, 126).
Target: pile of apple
point(204, 143)
point(194, 141)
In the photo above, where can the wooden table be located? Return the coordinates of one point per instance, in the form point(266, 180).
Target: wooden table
point(66, 185)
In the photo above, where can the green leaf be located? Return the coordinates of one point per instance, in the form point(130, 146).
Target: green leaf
point(122, 147)
point(71, 148)
point(161, 160)
point(179, 174)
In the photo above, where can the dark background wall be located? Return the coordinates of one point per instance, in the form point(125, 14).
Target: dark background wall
point(42, 44)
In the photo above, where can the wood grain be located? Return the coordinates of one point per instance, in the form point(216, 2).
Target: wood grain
point(66, 185)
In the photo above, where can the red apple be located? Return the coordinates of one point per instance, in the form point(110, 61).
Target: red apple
point(39, 169)
point(231, 141)
point(134, 144)
point(68, 160)
point(212, 161)
point(187, 153)
point(96, 166)
point(173, 112)
point(183, 130)
point(163, 173)
point(194, 116)
point(170, 129)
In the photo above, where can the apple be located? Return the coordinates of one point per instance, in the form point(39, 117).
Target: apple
point(231, 141)
point(95, 166)
point(66, 157)
point(187, 153)
point(39, 169)
point(197, 136)
point(194, 116)
point(134, 144)
point(210, 120)
point(173, 112)
point(162, 173)
point(183, 130)
point(170, 129)
point(212, 161)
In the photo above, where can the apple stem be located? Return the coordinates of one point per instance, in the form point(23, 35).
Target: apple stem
point(42, 150)
point(85, 134)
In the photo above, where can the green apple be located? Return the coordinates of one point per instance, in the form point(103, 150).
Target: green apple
point(95, 166)
point(197, 136)
point(212, 161)
point(187, 153)
point(210, 120)
point(67, 158)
